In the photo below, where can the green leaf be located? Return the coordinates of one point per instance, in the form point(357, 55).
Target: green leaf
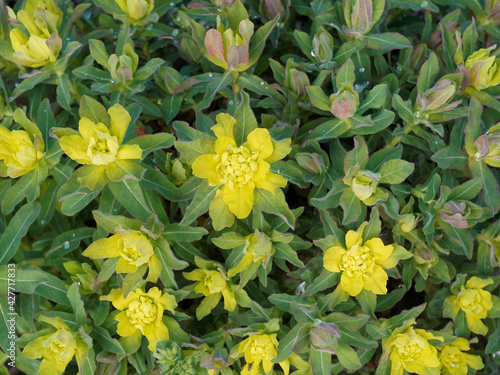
point(320, 362)
point(152, 142)
point(183, 233)
point(351, 205)
point(286, 343)
point(258, 40)
point(201, 202)
point(94, 111)
point(398, 320)
point(467, 191)
point(77, 304)
point(387, 41)
point(345, 74)
point(284, 251)
point(493, 345)
point(5, 324)
point(284, 301)
point(30, 83)
point(95, 74)
point(324, 281)
point(77, 201)
point(395, 171)
point(134, 280)
point(67, 242)
point(99, 53)
point(16, 229)
point(491, 190)
point(149, 68)
point(274, 204)
point(404, 108)
point(261, 87)
point(375, 98)
point(329, 130)
point(26, 281)
point(245, 120)
point(218, 83)
point(451, 157)
point(191, 150)
point(373, 228)
point(461, 236)
point(63, 92)
point(103, 337)
point(130, 196)
point(428, 72)
point(347, 356)
point(171, 107)
point(156, 180)
point(318, 98)
point(367, 300)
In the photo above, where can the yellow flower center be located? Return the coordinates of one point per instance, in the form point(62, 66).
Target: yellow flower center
point(409, 351)
point(261, 350)
point(451, 360)
point(57, 348)
point(103, 148)
point(237, 166)
point(214, 282)
point(130, 253)
point(142, 311)
point(358, 262)
point(469, 301)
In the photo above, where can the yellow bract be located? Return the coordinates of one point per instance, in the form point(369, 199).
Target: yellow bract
point(258, 248)
point(213, 284)
point(241, 169)
point(136, 9)
point(473, 301)
point(142, 312)
point(101, 146)
point(409, 350)
point(483, 69)
point(42, 44)
point(18, 154)
point(455, 362)
point(362, 264)
point(134, 250)
point(57, 349)
point(260, 349)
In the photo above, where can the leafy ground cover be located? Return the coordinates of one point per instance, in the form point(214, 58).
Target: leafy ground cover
point(249, 187)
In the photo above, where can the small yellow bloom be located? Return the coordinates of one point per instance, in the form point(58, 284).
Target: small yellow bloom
point(455, 362)
point(57, 349)
point(483, 69)
point(213, 285)
point(40, 17)
point(362, 264)
point(101, 146)
point(136, 9)
point(18, 154)
point(31, 51)
point(134, 250)
point(409, 350)
point(260, 349)
point(241, 169)
point(473, 301)
point(258, 248)
point(143, 312)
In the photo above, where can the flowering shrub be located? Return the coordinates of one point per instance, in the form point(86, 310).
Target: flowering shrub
point(219, 187)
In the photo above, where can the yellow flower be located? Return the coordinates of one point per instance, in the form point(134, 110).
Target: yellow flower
point(134, 250)
point(483, 69)
point(213, 285)
point(32, 51)
point(241, 169)
point(454, 361)
point(258, 248)
point(362, 264)
point(40, 17)
point(260, 349)
point(409, 350)
point(143, 312)
point(18, 154)
point(229, 48)
point(136, 9)
point(364, 185)
point(57, 349)
point(473, 301)
point(100, 146)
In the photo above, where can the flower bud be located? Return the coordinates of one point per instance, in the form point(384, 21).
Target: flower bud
point(488, 146)
point(364, 184)
point(313, 163)
point(437, 98)
point(454, 213)
point(483, 69)
point(297, 82)
point(34, 51)
point(407, 222)
point(122, 68)
point(345, 102)
point(136, 9)
point(323, 46)
point(85, 275)
point(360, 16)
point(177, 170)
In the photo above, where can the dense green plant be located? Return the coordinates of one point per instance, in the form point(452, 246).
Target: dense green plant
point(250, 187)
